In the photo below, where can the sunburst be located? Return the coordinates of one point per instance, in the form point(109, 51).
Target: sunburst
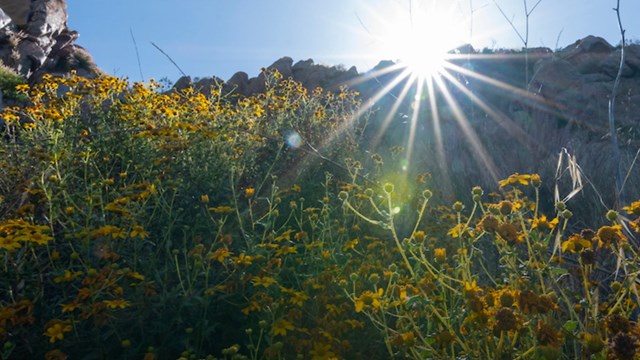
point(421, 37)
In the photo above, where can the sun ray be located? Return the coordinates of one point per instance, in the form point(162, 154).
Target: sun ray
point(381, 93)
point(414, 122)
point(480, 151)
point(501, 119)
point(392, 112)
point(437, 131)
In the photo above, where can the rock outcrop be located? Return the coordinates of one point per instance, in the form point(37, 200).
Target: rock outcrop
point(35, 40)
point(309, 74)
point(575, 83)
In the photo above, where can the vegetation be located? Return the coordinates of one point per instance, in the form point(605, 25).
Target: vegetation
point(9, 79)
point(141, 224)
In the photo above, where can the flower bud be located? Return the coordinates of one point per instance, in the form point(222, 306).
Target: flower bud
point(535, 180)
point(427, 194)
point(374, 278)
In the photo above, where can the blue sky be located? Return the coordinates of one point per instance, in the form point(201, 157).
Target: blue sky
point(220, 37)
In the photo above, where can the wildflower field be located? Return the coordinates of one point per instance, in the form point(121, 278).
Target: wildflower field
point(137, 224)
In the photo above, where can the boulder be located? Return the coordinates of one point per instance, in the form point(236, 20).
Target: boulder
point(590, 44)
point(206, 85)
point(302, 65)
point(576, 84)
point(182, 83)
point(17, 10)
point(587, 54)
point(237, 84)
point(463, 49)
point(35, 39)
point(553, 76)
point(611, 63)
point(283, 65)
point(632, 57)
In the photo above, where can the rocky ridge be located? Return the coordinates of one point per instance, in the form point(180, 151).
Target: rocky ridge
point(572, 84)
point(308, 73)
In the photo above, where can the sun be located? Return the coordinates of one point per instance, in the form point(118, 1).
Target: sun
point(420, 36)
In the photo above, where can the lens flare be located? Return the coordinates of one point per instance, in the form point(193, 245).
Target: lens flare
point(294, 140)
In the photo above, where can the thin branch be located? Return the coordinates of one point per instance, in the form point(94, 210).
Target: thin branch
point(170, 59)
point(135, 45)
point(362, 23)
point(612, 104)
point(534, 8)
point(510, 21)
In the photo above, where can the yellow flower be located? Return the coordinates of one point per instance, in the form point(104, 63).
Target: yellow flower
point(253, 306)
point(608, 235)
point(515, 179)
point(221, 209)
point(69, 307)
point(38, 237)
point(349, 245)
point(108, 230)
point(9, 244)
point(135, 275)
point(264, 281)
point(57, 330)
point(117, 303)
point(286, 250)
point(243, 259)
point(220, 254)
point(471, 288)
point(249, 192)
point(139, 231)
point(285, 236)
point(440, 255)
point(576, 243)
point(29, 126)
point(542, 223)
point(297, 297)
point(281, 327)
point(633, 209)
point(368, 298)
point(23, 88)
point(460, 230)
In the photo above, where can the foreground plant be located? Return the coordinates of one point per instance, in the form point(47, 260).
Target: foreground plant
point(141, 224)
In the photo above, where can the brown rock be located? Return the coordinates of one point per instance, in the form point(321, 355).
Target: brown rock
point(206, 85)
point(237, 84)
point(182, 83)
